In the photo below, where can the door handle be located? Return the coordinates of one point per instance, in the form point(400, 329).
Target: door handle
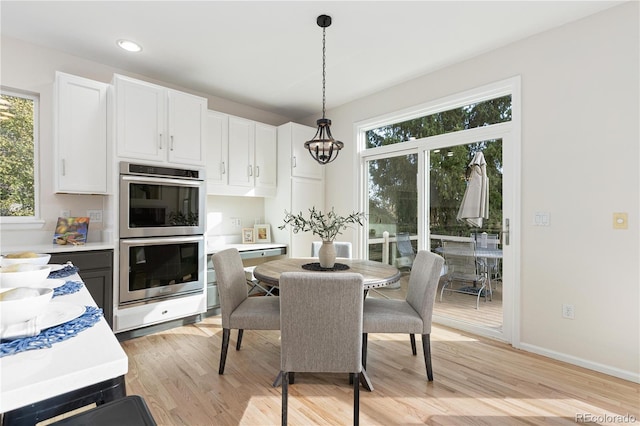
point(171, 143)
point(257, 171)
point(250, 170)
point(223, 168)
point(160, 141)
point(504, 234)
point(293, 161)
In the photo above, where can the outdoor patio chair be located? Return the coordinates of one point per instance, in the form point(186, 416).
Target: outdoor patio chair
point(407, 254)
point(463, 268)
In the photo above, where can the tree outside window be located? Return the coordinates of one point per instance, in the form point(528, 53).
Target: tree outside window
point(17, 151)
point(393, 197)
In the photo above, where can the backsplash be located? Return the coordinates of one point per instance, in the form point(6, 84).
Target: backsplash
point(222, 210)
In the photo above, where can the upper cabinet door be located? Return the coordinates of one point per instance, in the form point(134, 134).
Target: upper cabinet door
point(216, 146)
point(241, 144)
point(303, 165)
point(158, 124)
point(140, 119)
point(186, 128)
point(80, 136)
point(266, 158)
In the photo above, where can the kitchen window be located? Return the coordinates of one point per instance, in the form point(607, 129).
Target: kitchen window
point(19, 163)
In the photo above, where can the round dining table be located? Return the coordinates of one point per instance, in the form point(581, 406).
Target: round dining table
point(375, 274)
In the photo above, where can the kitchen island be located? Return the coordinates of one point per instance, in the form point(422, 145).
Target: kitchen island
point(42, 383)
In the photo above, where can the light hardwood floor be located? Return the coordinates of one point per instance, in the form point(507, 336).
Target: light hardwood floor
point(476, 382)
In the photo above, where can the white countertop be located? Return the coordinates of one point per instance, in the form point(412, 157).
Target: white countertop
point(56, 248)
point(244, 247)
point(92, 356)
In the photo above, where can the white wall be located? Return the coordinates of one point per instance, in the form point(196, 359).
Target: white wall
point(580, 153)
point(32, 68)
point(221, 209)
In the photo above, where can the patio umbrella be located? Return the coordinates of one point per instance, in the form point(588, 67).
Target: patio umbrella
point(475, 202)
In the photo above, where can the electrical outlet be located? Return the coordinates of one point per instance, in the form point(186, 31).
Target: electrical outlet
point(568, 311)
point(95, 216)
point(236, 222)
point(65, 213)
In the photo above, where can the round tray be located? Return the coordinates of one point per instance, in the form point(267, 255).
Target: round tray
point(315, 266)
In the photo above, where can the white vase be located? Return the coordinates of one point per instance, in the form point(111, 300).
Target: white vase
point(327, 254)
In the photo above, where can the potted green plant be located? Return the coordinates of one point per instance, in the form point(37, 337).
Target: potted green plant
point(327, 226)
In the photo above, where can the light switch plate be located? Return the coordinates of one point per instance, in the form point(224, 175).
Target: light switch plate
point(620, 221)
point(541, 219)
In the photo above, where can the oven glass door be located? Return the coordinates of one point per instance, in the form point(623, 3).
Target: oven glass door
point(161, 267)
point(157, 206)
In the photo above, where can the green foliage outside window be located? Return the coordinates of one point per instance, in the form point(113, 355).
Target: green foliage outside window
point(393, 196)
point(17, 196)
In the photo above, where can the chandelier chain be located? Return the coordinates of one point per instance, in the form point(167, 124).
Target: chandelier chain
point(324, 73)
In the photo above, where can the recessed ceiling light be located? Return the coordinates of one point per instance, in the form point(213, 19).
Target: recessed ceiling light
point(129, 45)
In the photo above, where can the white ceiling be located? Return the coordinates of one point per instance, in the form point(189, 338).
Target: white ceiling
point(269, 54)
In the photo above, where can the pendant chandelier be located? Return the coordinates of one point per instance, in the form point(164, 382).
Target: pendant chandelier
point(323, 147)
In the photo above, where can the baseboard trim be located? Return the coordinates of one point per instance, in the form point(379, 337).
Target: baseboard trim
point(581, 362)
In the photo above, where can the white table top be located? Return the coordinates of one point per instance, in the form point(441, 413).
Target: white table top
point(92, 356)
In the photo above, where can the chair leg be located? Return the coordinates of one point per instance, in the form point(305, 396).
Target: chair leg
point(292, 377)
point(413, 344)
point(356, 399)
point(426, 348)
point(239, 342)
point(223, 351)
point(285, 386)
point(364, 350)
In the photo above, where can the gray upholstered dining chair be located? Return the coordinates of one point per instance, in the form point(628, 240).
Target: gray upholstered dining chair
point(321, 319)
point(412, 315)
point(239, 311)
point(343, 248)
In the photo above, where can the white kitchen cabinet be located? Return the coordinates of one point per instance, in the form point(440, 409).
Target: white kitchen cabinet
point(266, 158)
point(216, 147)
point(294, 194)
point(241, 156)
point(241, 150)
point(302, 164)
point(80, 135)
point(158, 124)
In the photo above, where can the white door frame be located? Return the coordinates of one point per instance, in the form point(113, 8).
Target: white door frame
point(510, 133)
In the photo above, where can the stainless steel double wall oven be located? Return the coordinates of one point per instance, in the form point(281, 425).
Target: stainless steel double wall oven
point(162, 250)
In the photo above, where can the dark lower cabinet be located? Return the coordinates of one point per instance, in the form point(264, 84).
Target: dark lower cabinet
point(96, 270)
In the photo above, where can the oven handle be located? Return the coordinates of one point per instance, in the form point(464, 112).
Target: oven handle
point(162, 240)
point(161, 181)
